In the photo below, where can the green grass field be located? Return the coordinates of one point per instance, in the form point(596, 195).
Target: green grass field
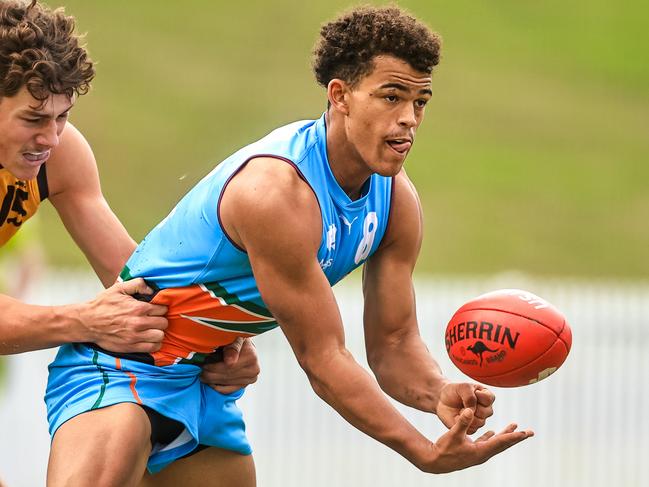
point(533, 156)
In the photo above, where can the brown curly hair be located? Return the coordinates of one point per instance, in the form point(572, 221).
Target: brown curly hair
point(347, 45)
point(40, 50)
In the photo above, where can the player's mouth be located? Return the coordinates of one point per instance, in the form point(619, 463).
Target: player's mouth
point(36, 158)
point(400, 145)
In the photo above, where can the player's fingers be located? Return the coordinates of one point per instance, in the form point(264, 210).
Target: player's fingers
point(134, 286)
point(485, 396)
point(467, 395)
point(248, 357)
point(510, 428)
point(218, 373)
point(225, 377)
point(145, 347)
point(475, 425)
point(225, 389)
point(156, 310)
point(151, 336)
point(214, 368)
point(462, 424)
point(501, 442)
point(231, 351)
point(157, 323)
point(485, 436)
point(484, 412)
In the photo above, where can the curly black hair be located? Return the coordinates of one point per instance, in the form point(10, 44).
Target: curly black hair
point(40, 50)
point(348, 45)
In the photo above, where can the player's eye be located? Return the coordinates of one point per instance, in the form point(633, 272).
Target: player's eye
point(392, 98)
point(421, 103)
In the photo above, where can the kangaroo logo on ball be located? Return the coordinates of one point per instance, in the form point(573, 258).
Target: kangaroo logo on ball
point(478, 348)
point(508, 338)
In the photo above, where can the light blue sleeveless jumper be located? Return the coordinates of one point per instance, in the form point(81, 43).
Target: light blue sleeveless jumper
point(189, 250)
point(190, 246)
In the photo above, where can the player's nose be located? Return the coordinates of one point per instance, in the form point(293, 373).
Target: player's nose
point(49, 135)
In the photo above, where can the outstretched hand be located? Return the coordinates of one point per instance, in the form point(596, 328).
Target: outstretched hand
point(455, 450)
point(455, 397)
point(239, 368)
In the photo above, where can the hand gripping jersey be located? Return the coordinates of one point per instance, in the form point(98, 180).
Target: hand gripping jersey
point(206, 280)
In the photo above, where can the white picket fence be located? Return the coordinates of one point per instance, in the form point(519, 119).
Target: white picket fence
point(590, 420)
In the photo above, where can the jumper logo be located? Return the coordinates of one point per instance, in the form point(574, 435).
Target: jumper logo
point(331, 237)
point(13, 202)
point(348, 223)
point(472, 330)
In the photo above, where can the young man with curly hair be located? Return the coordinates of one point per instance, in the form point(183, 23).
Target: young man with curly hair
point(43, 69)
point(260, 242)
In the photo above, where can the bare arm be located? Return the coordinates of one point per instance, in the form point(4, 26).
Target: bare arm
point(76, 194)
point(395, 351)
point(400, 360)
point(113, 320)
point(284, 262)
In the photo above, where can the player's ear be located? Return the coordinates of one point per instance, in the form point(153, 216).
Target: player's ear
point(338, 92)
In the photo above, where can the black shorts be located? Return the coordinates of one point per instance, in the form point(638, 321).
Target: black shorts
point(164, 430)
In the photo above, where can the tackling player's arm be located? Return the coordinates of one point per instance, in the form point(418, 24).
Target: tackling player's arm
point(397, 355)
point(274, 216)
point(75, 192)
point(113, 320)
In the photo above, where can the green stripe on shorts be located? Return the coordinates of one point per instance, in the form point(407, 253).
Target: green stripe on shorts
point(104, 376)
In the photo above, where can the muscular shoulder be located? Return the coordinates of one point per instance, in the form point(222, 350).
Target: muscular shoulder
point(72, 164)
point(268, 199)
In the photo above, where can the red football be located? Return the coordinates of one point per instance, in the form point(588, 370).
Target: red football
point(508, 338)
